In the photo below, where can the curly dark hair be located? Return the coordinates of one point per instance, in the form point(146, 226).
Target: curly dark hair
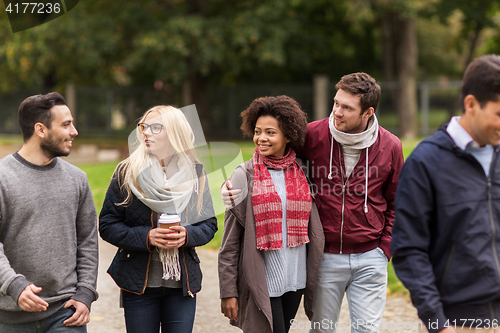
point(291, 119)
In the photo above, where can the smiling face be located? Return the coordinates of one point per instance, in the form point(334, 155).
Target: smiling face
point(59, 137)
point(157, 144)
point(482, 123)
point(269, 138)
point(347, 113)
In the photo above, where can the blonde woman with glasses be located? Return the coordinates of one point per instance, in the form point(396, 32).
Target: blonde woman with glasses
point(157, 268)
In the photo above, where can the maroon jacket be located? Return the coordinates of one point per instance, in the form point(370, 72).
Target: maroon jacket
point(348, 228)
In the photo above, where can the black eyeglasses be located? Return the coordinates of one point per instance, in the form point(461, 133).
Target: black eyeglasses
point(155, 128)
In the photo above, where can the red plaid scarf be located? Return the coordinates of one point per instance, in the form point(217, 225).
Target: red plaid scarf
point(267, 206)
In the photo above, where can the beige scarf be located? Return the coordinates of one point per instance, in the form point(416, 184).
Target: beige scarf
point(167, 190)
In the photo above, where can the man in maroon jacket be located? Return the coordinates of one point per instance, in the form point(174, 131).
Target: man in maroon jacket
point(354, 166)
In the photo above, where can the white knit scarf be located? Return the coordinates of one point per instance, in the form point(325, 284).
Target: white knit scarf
point(356, 140)
point(167, 191)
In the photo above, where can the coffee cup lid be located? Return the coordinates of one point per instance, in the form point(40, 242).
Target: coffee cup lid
point(169, 218)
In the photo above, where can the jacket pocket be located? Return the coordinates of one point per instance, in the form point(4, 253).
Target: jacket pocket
point(124, 255)
point(373, 219)
point(128, 269)
point(447, 267)
point(194, 255)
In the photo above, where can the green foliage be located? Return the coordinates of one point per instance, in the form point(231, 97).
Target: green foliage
point(76, 46)
point(474, 17)
point(136, 43)
point(99, 176)
point(109, 43)
point(474, 13)
point(438, 55)
point(215, 39)
point(8, 140)
point(332, 40)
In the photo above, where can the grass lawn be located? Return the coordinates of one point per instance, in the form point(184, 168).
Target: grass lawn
point(100, 174)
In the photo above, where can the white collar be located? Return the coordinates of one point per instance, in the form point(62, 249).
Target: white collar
point(461, 137)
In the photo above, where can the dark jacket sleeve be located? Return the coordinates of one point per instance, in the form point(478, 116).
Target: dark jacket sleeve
point(411, 240)
point(201, 233)
point(112, 226)
point(389, 195)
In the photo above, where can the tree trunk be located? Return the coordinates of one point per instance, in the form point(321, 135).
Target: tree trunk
point(195, 91)
point(388, 62)
point(50, 80)
point(406, 74)
point(473, 41)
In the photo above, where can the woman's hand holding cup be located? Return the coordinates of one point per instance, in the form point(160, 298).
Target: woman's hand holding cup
point(169, 234)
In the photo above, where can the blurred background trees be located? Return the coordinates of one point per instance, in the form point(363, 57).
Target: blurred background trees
point(191, 45)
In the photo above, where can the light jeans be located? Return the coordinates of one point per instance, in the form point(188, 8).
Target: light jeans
point(363, 278)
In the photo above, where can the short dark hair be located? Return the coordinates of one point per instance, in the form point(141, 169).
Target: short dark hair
point(291, 119)
point(363, 85)
point(36, 109)
point(482, 80)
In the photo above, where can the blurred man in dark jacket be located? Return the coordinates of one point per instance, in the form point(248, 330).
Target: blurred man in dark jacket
point(446, 236)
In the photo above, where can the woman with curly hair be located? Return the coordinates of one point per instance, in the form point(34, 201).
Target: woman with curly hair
point(156, 267)
point(273, 239)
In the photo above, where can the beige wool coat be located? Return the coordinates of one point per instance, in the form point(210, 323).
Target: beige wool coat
point(241, 264)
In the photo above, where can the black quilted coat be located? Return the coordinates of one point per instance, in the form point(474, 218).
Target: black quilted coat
point(127, 227)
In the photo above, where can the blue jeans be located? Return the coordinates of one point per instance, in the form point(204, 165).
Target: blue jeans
point(363, 278)
point(52, 324)
point(166, 306)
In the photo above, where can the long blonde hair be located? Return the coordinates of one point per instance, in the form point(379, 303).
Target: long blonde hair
point(181, 137)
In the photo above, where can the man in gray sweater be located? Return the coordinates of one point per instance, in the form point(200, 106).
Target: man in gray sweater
point(48, 231)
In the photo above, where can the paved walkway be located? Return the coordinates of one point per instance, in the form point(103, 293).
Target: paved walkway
point(107, 317)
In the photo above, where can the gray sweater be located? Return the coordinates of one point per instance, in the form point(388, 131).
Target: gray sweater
point(285, 268)
point(48, 236)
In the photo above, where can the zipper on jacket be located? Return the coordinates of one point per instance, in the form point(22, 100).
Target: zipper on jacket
point(187, 275)
point(342, 224)
point(490, 208)
point(149, 257)
point(344, 183)
point(493, 229)
point(447, 267)
point(492, 312)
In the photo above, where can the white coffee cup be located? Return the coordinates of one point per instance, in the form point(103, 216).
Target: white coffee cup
point(168, 220)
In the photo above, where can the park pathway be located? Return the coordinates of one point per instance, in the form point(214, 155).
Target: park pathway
point(107, 317)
